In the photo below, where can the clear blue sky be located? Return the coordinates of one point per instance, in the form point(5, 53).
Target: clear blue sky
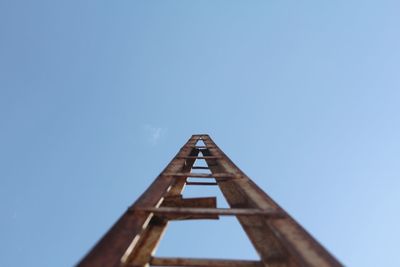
point(96, 97)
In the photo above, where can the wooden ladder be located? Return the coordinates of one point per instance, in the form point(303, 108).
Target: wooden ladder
point(279, 240)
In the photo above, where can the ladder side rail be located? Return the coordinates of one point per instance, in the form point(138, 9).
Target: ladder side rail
point(110, 249)
point(294, 242)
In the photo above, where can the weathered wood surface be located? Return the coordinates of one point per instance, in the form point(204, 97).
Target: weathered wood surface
point(109, 251)
point(191, 262)
point(279, 240)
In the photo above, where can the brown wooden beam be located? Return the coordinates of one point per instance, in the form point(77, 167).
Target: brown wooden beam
point(200, 168)
point(209, 211)
point(280, 242)
point(200, 202)
point(191, 262)
point(195, 157)
point(124, 233)
point(200, 175)
point(200, 183)
point(197, 202)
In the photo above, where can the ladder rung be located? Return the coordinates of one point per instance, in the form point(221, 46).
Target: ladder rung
point(199, 175)
point(203, 147)
point(195, 157)
point(200, 183)
point(190, 262)
point(200, 168)
point(211, 211)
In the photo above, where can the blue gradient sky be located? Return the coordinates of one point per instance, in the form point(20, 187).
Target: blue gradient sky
point(96, 97)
